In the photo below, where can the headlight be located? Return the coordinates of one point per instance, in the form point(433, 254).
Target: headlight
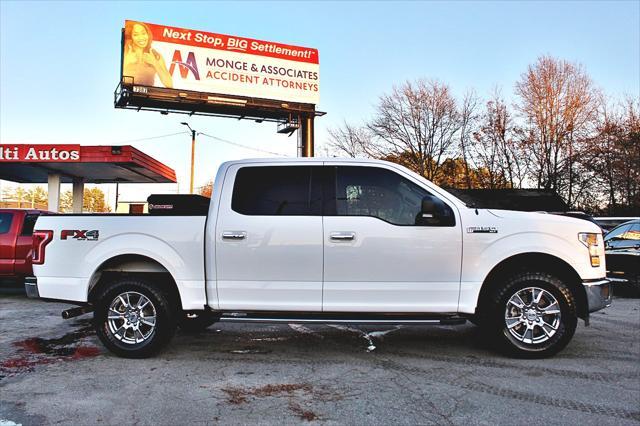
point(590, 241)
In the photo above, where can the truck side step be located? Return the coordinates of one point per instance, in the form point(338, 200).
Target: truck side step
point(293, 318)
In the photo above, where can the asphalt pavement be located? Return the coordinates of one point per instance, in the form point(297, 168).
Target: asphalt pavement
point(56, 371)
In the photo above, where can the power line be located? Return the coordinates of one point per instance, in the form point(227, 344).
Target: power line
point(243, 146)
point(207, 135)
point(152, 137)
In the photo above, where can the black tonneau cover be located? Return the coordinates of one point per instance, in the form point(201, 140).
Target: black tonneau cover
point(178, 205)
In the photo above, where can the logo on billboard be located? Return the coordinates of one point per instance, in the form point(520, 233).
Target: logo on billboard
point(184, 66)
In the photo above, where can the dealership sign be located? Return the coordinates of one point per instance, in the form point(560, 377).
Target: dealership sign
point(169, 57)
point(40, 153)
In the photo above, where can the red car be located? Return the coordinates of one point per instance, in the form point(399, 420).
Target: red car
point(16, 229)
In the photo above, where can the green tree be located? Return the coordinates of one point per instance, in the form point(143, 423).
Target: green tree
point(93, 201)
point(32, 197)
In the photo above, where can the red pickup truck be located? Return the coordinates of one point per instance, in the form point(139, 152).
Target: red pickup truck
point(16, 229)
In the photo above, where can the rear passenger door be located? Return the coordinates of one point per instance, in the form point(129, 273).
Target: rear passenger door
point(269, 238)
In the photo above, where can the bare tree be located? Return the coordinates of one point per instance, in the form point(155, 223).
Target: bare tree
point(497, 149)
point(468, 119)
point(627, 156)
point(612, 156)
point(560, 136)
point(417, 122)
point(349, 140)
point(558, 103)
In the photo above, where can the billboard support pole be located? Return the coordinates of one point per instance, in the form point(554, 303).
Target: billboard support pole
point(306, 134)
point(300, 138)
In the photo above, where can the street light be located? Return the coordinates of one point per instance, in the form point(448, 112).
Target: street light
point(193, 152)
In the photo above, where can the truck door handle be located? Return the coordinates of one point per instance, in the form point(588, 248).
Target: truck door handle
point(342, 236)
point(234, 235)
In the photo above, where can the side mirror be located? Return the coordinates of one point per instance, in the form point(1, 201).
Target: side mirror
point(434, 212)
point(429, 209)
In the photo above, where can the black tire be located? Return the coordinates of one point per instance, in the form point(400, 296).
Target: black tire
point(158, 336)
point(496, 309)
point(196, 324)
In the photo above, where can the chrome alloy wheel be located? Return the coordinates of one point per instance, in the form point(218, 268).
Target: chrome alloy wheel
point(532, 315)
point(131, 317)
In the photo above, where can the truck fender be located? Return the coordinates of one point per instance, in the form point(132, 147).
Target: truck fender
point(532, 249)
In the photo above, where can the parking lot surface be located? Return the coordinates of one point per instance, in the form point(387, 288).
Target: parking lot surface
point(55, 371)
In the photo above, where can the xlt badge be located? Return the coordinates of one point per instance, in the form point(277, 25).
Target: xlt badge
point(482, 230)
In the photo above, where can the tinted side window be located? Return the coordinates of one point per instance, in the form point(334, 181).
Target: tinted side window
point(29, 223)
point(278, 191)
point(377, 192)
point(5, 222)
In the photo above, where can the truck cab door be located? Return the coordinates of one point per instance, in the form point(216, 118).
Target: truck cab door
point(380, 255)
point(268, 238)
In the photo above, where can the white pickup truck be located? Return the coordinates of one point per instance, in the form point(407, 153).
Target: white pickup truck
point(323, 241)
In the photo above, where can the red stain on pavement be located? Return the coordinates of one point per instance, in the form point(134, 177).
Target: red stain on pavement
point(30, 345)
point(86, 352)
point(37, 351)
point(23, 363)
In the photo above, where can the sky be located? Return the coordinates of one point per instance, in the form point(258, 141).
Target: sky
point(59, 64)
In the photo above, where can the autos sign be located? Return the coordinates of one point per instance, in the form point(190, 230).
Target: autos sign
point(40, 153)
point(177, 58)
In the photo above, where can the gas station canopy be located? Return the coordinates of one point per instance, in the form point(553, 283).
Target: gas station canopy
point(91, 164)
point(55, 164)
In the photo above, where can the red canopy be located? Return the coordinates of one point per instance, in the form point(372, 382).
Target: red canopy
point(92, 164)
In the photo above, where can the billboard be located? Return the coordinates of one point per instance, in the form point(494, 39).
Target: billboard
point(176, 58)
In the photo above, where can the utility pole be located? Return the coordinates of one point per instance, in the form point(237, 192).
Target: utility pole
point(193, 154)
point(117, 194)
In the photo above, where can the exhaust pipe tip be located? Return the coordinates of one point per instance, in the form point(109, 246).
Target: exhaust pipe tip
point(76, 312)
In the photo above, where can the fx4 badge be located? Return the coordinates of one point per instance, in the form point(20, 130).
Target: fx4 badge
point(80, 235)
point(482, 230)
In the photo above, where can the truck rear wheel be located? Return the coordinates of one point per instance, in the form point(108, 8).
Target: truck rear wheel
point(133, 318)
point(533, 315)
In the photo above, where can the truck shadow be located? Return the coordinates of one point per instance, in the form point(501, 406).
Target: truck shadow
point(293, 340)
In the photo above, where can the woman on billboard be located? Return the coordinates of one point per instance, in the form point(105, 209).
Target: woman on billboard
point(141, 61)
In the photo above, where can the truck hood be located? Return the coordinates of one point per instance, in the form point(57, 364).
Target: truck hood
point(545, 218)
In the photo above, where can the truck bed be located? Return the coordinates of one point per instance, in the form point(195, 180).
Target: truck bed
point(80, 242)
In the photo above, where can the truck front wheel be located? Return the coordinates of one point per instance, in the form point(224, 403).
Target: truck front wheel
point(532, 315)
point(133, 318)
